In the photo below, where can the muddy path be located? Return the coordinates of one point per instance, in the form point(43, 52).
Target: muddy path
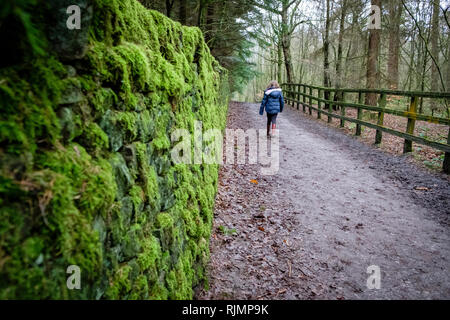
point(335, 207)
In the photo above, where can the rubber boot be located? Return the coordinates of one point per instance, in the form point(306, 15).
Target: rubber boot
point(268, 130)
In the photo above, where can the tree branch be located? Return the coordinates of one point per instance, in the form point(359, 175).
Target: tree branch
point(426, 44)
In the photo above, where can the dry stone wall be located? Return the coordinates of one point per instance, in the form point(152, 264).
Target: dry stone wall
point(86, 176)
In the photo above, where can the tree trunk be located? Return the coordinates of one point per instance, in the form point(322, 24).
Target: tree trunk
point(182, 12)
point(447, 66)
point(326, 49)
point(340, 44)
point(280, 61)
point(286, 42)
point(288, 60)
point(169, 6)
point(373, 73)
point(434, 46)
point(202, 14)
point(337, 94)
point(411, 62)
point(422, 80)
point(395, 13)
point(209, 27)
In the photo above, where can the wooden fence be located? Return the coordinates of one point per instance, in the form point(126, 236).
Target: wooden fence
point(305, 95)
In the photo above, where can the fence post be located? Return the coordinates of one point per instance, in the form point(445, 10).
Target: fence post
point(381, 104)
point(319, 103)
point(310, 100)
point(287, 93)
point(294, 95)
point(360, 113)
point(288, 87)
point(407, 147)
point(298, 96)
point(342, 96)
point(447, 156)
point(291, 95)
point(329, 106)
point(304, 98)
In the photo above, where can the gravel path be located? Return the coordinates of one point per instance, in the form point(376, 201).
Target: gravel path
point(336, 207)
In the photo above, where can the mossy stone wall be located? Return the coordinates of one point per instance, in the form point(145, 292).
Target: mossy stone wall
point(86, 176)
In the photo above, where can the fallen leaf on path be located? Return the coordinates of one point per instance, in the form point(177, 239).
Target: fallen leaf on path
point(261, 228)
point(421, 188)
point(254, 181)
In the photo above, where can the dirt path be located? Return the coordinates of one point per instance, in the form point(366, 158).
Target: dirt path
point(336, 207)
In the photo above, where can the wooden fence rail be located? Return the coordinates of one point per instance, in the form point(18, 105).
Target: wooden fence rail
point(303, 94)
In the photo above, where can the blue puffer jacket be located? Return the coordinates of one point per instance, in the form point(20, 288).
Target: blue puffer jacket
point(273, 102)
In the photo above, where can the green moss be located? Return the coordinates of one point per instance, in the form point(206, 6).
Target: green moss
point(127, 122)
point(138, 198)
point(32, 248)
point(165, 220)
point(161, 143)
point(148, 176)
point(86, 176)
point(103, 99)
point(140, 288)
point(151, 253)
point(28, 113)
point(95, 139)
point(119, 283)
point(146, 126)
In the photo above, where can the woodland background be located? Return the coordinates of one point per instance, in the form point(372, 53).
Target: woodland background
point(324, 42)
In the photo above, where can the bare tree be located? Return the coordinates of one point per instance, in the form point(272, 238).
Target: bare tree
point(326, 50)
point(435, 47)
point(373, 72)
point(169, 7)
point(340, 43)
point(395, 14)
point(182, 12)
point(290, 20)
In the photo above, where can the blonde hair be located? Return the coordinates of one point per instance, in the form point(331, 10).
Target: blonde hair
point(273, 85)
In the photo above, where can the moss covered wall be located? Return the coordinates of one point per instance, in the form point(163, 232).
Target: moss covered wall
point(86, 176)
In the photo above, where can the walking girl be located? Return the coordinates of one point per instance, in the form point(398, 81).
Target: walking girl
point(273, 103)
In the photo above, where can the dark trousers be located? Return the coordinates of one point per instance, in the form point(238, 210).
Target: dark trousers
point(272, 118)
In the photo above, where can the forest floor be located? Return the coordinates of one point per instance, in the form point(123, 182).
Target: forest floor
point(336, 207)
